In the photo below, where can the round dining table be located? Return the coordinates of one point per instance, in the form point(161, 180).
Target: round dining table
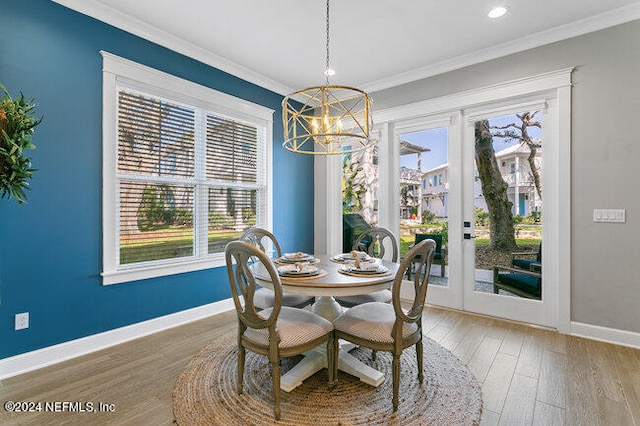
point(329, 283)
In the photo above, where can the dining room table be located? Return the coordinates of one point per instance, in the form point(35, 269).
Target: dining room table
point(328, 277)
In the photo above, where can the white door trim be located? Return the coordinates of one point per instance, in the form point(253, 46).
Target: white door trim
point(552, 85)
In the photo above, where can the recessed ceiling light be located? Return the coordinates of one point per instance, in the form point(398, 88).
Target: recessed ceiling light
point(497, 12)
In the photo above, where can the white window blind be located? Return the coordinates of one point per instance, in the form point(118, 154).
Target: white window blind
point(189, 177)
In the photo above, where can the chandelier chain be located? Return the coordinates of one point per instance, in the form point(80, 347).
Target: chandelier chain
point(326, 70)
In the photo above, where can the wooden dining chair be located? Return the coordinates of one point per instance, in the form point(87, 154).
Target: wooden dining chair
point(264, 298)
point(388, 327)
point(277, 332)
point(374, 242)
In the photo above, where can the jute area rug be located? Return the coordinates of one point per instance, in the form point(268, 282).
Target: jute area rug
point(205, 391)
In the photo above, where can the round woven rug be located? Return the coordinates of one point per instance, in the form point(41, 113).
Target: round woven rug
point(205, 391)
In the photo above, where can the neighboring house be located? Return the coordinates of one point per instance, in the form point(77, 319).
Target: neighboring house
point(410, 193)
point(410, 182)
point(435, 190)
point(515, 172)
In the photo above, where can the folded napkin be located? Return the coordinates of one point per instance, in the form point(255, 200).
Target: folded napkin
point(367, 266)
point(356, 255)
point(298, 268)
point(295, 256)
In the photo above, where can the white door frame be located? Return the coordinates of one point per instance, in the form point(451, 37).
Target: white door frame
point(542, 312)
point(554, 87)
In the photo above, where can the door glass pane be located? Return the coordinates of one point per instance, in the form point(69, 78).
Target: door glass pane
point(508, 204)
point(359, 194)
point(424, 195)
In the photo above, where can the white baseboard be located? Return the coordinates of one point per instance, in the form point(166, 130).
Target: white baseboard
point(604, 334)
point(30, 361)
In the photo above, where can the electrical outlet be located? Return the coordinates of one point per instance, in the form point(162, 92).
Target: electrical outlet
point(22, 321)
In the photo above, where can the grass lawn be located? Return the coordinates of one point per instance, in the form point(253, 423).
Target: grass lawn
point(166, 243)
point(407, 240)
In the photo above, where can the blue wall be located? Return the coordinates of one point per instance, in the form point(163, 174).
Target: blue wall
point(51, 248)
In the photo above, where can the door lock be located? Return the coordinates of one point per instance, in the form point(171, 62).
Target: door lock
point(468, 236)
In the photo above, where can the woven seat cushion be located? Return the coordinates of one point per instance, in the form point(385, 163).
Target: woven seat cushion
point(372, 321)
point(382, 296)
point(264, 299)
point(295, 326)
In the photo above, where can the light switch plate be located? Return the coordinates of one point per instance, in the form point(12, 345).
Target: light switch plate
point(609, 215)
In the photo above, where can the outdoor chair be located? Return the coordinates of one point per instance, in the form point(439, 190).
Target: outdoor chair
point(438, 256)
point(533, 265)
point(388, 327)
point(520, 282)
point(373, 242)
point(264, 297)
point(276, 332)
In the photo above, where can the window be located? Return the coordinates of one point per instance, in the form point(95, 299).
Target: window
point(185, 171)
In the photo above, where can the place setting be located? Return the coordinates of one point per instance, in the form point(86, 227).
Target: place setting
point(300, 270)
point(363, 268)
point(297, 257)
point(352, 256)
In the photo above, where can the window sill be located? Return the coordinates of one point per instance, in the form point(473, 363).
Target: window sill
point(141, 273)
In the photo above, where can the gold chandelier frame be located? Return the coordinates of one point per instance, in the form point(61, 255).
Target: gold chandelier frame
point(327, 120)
point(332, 120)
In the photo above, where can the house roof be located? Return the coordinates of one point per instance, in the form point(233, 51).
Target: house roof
point(407, 148)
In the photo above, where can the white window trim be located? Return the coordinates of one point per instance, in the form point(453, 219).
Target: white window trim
point(117, 70)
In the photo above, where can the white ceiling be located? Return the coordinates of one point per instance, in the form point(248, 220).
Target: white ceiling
point(375, 44)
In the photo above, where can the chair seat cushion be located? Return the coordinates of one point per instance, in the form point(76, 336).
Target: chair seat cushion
point(382, 296)
point(525, 263)
point(372, 321)
point(527, 283)
point(264, 298)
point(295, 327)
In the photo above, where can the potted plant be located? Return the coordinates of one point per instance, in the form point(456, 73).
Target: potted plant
point(17, 125)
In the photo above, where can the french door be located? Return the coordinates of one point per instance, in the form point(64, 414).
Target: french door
point(467, 283)
point(503, 175)
point(454, 207)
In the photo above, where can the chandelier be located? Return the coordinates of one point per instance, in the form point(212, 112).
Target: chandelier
point(327, 119)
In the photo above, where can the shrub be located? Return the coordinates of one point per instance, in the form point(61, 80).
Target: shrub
point(151, 210)
point(249, 217)
point(482, 216)
point(183, 217)
point(221, 221)
point(428, 216)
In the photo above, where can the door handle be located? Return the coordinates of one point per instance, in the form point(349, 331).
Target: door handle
point(468, 236)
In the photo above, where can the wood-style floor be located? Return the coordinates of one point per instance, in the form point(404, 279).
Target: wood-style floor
point(529, 376)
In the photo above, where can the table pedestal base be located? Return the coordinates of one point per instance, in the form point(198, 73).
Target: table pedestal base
point(316, 359)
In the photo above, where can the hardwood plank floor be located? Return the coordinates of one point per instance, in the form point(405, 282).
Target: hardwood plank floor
point(529, 376)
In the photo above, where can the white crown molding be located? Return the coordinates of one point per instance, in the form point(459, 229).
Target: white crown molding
point(113, 17)
point(106, 14)
point(44, 357)
point(572, 29)
point(605, 334)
